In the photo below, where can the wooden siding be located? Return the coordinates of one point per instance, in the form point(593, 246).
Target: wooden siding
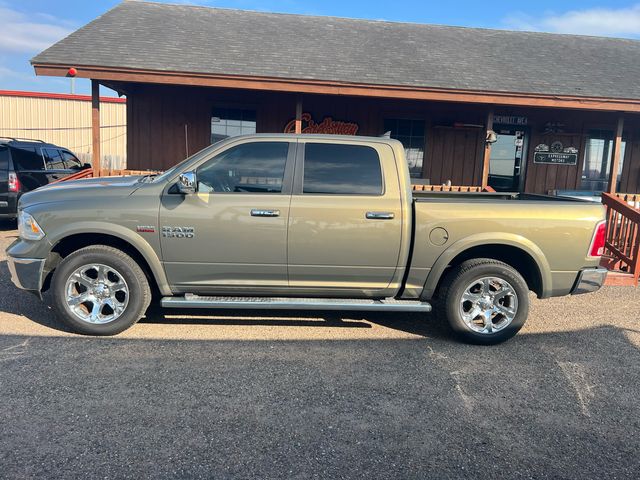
point(157, 115)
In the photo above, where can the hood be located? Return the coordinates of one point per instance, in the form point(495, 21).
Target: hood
point(76, 190)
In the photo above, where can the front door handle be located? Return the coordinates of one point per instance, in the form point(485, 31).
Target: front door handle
point(380, 215)
point(258, 212)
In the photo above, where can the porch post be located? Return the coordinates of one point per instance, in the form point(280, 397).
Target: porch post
point(615, 157)
point(487, 151)
point(95, 127)
point(299, 115)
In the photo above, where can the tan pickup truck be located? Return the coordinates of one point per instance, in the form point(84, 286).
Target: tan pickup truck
point(301, 222)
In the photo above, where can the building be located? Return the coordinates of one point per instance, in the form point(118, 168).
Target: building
point(65, 120)
point(566, 109)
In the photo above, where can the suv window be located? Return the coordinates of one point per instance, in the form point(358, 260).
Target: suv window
point(53, 158)
point(256, 167)
point(341, 169)
point(70, 161)
point(26, 158)
point(4, 157)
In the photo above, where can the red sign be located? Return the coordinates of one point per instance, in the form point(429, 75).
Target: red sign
point(327, 126)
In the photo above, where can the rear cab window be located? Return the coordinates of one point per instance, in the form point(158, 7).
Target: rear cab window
point(26, 158)
point(337, 169)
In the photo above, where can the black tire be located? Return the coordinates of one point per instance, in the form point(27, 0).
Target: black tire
point(139, 292)
point(449, 299)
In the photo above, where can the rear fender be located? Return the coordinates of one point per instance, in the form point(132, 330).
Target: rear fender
point(489, 238)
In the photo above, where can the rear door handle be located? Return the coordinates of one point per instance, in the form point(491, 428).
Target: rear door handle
point(258, 212)
point(380, 215)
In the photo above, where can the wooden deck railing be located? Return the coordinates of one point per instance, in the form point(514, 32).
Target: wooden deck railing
point(450, 188)
point(88, 173)
point(623, 232)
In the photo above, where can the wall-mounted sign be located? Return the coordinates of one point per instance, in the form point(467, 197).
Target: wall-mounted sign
point(556, 154)
point(510, 120)
point(555, 158)
point(326, 126)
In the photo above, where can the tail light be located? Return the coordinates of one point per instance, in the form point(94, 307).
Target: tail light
point(14, 183)
point(597, 244)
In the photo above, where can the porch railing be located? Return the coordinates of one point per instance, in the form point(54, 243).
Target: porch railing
point(623, 232)
point(450, 188)
point(88, 173)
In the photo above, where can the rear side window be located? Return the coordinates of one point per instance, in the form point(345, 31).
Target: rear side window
point(26, 158)
point(341, 170)
point(4, 158)
point(70, 161)
point(53, 158)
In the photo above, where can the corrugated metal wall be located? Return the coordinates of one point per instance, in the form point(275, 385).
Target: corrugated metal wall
point(67, 122)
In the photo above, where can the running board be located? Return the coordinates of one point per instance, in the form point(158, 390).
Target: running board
point(281, 303)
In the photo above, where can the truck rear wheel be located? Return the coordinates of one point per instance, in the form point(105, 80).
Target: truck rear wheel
point(100, 290)
point(484, 301)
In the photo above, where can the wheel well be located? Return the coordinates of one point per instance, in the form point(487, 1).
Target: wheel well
point(73, 243)
point(517, 258)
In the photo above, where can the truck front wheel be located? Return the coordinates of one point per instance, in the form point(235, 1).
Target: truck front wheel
point(99, 290)
point(484, 301)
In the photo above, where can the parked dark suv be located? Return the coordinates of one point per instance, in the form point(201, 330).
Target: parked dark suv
point(28, 164)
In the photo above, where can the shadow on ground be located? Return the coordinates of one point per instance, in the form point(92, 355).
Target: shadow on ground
point(561, 405)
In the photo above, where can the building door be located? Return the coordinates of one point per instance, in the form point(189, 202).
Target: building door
point(507, 160)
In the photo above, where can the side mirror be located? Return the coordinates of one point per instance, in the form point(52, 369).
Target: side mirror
point(187, 183)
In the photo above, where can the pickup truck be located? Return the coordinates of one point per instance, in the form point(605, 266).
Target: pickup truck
point(306, 222)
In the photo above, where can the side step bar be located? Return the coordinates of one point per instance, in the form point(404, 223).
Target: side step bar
point(277, 303)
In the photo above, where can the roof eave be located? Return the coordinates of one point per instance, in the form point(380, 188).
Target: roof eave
point(103, 73)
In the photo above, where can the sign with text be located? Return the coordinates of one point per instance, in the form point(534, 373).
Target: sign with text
point(555, 158)
point(510, 120)
point(326, 126)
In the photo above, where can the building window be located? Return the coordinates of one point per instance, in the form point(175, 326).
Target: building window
point(597, 160)
point(231, 122)
point(411, 134)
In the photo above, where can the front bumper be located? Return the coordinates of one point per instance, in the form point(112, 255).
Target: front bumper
point(27, 273)
point(589, 280)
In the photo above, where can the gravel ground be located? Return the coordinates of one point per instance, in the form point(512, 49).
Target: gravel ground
point(243, 395)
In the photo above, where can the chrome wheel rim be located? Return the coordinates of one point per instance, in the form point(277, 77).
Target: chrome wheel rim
point(488, 305)
point(97, 293)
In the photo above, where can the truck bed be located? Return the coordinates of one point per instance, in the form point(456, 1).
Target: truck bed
point(421, 196)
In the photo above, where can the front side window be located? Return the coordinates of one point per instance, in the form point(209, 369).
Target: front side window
point(26, 158)
point(256, 167)
point(70, 161)
point(341, 170)
point(53, 159)
point(411, 134)
point(597, 160)
point(231, 122)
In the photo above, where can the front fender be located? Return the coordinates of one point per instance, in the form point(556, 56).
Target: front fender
point(483, 239)
point(123, 233)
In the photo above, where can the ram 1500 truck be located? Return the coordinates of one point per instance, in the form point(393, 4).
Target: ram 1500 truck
point(300, 222)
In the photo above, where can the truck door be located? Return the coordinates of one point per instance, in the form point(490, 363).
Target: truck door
point(231, 234)
point(345, 224)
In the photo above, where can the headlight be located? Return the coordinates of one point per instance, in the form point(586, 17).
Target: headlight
point(28, 228)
